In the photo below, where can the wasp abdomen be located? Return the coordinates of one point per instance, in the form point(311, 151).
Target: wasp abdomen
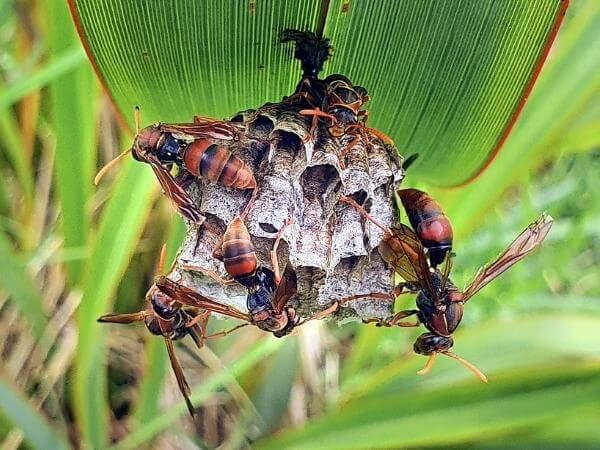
point(206, 159)
point(429, 222)
point(237, 251)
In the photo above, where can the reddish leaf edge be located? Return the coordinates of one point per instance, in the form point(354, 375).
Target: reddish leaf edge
point(84, 42)
point(524, 97)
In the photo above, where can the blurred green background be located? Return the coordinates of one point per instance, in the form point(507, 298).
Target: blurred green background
point(70, 252)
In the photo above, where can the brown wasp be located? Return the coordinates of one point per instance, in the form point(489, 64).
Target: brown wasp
point(268, 292)
point(439, 302)
point(192, 147)
point(429, 222)
point(167, 318)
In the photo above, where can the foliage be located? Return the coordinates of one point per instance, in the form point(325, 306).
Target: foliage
point(437, 70)
point(62, 244)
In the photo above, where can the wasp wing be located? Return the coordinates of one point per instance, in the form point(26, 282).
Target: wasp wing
point(404, 252)
point(205, 129)
point(179, 375)
point(527, 242)
point(188, 297)
point(182, 202)
point(286, 289)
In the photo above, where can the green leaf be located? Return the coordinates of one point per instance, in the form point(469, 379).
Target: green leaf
point(16, 282)
point(74, 110)
point(38, 433)
point(121, 225)
point(273, 394)
point(60, 65)
point(447, 78)
point(545, 360)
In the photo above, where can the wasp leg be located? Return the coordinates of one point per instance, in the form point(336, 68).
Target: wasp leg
point(350, 201)
point(315, 113)
point(250, 204)
point(346, 150)
point(209, 273)
point(226, 332)
point(337, 304)
point(395, 319)
point(273, 253)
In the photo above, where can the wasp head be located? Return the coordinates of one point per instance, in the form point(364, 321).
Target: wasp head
point(429, 343)
point(146, 141)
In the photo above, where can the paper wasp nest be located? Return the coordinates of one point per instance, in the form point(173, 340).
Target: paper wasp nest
point(329, 245)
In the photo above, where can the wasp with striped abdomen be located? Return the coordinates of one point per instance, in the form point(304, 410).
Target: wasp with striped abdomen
point(196, 148)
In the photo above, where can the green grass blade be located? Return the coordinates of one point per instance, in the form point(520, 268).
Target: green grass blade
point(272, 396)
point(155, 369)
point(38, 433)
point(73, 99)
point(60, 65)
point(447, 77)
point(525, 380)
point(16, 282)
point(11, 142)
point(115, 241)
point(250, 358)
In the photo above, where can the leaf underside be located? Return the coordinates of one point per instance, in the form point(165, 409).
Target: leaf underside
point(447, 78)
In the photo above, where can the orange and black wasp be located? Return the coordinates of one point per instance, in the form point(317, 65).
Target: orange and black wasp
point(163, 316)
point(439, 302)
point(194, 148)
point(429, 222)
point(268, 292)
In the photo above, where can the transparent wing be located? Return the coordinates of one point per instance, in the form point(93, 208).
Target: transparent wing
point(179, 375)
point(182, 202)
point(404, 252)
point(527, 242)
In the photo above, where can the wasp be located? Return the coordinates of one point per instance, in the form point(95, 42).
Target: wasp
point(163, 316)
point(194, 149)
point(268, 292)
point(429, 222)
point(440, 304)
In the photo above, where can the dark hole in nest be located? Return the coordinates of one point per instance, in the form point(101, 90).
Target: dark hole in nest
point(267, 227)
point(262, 126)
point(316, 180)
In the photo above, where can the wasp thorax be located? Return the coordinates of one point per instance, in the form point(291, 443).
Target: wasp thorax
point(429, 343)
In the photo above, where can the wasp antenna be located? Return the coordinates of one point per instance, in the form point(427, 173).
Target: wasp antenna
point(137, 118)
point(161, 260)
point(468, 365)
point(109, 165)
point(428, 365)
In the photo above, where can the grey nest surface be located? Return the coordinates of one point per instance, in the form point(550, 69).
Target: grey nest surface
point(329, 245)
